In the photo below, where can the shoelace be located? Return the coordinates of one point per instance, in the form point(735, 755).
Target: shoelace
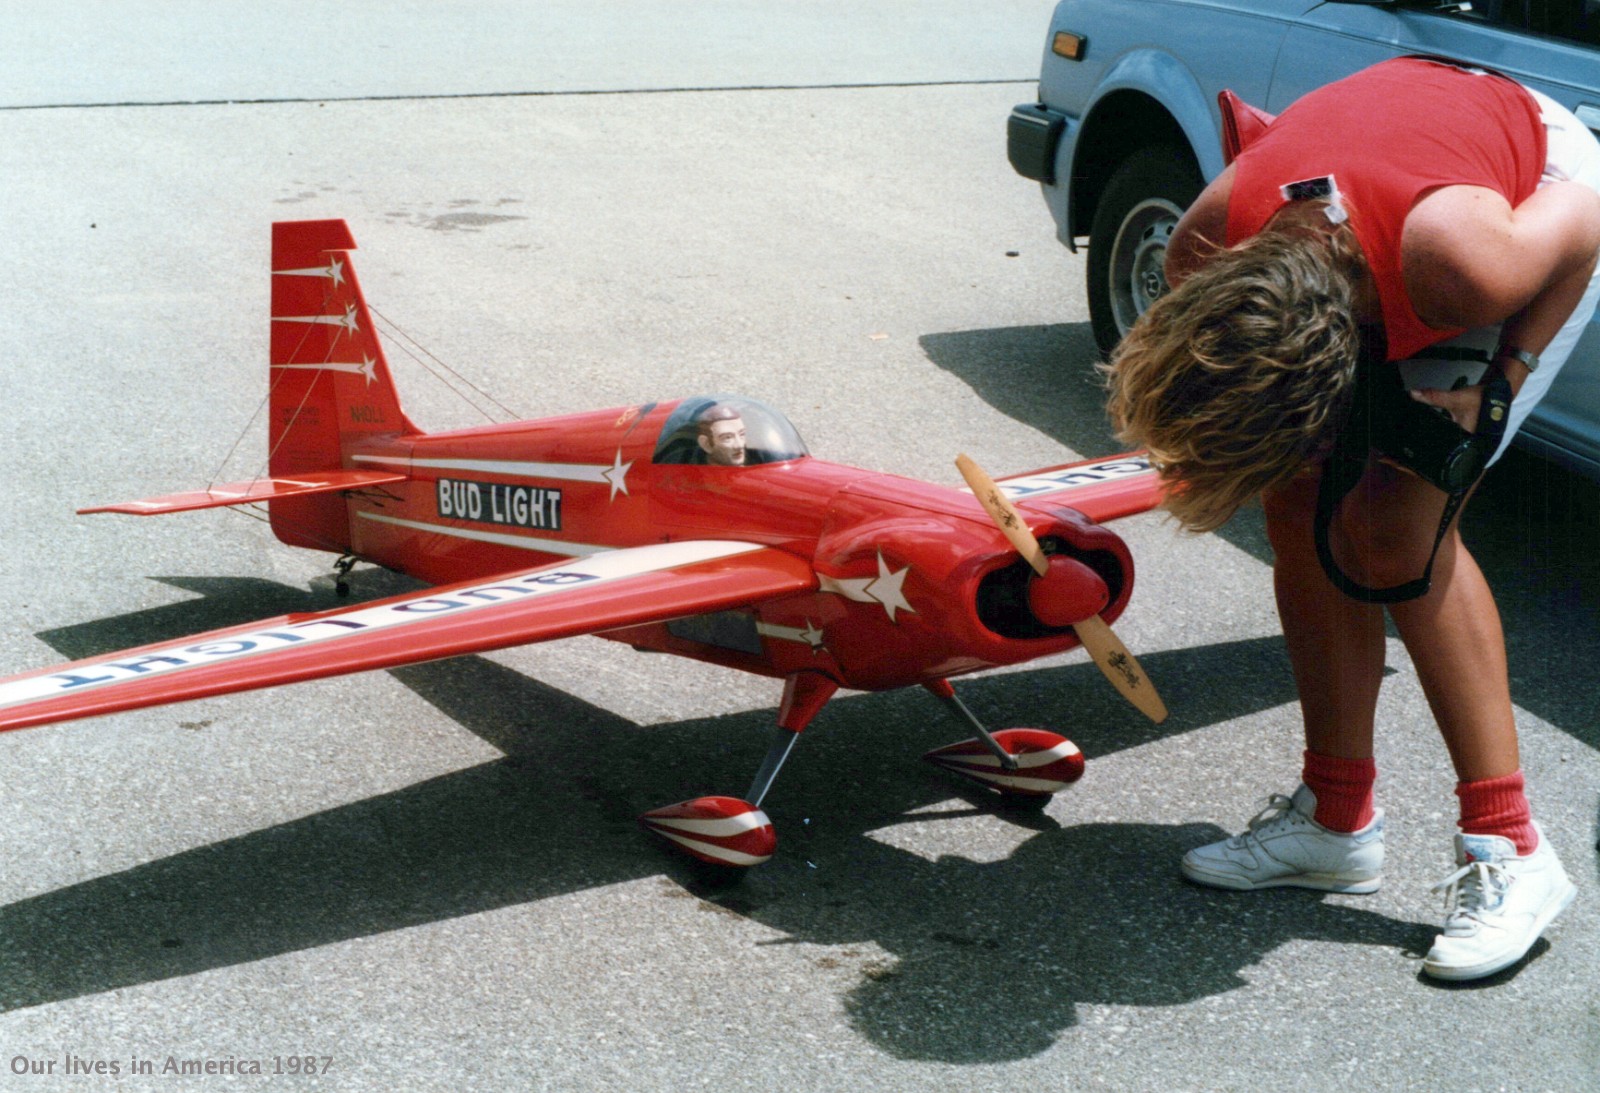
point(1278, 806)
point(1476, 887)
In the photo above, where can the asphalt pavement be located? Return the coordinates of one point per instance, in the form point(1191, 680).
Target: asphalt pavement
point(431, 878)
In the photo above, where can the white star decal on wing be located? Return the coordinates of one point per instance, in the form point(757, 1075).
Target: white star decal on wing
point(369, 368)
point(336, 272)
point(617, 475)
point(884, 589)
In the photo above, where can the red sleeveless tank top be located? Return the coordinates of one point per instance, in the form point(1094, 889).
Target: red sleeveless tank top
point(1388, 135)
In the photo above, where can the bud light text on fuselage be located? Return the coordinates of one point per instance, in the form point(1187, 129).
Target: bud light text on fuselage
point(500, 503)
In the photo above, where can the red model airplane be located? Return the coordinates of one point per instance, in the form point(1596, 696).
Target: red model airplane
point(699, 527)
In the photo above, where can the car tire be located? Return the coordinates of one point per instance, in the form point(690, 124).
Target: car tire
point(1137, 213)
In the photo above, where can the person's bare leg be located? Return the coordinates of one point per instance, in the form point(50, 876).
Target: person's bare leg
point(1453, 633)
point(1457, 644)
point(1383, 535)
point(1336, 644)
point(1327, 835)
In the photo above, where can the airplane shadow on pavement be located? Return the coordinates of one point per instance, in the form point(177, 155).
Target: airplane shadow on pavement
point(987, 960)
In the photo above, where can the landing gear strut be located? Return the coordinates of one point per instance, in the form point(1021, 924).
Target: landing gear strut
point(1028, 764)
point(730, 831)
point(1022, 764)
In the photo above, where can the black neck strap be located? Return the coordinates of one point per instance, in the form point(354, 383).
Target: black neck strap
point(1348, 463)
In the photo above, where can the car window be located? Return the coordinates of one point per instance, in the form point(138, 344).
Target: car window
point(1570, 20)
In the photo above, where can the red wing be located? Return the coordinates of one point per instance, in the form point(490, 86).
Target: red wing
point(602, 592)
point(1101, 489)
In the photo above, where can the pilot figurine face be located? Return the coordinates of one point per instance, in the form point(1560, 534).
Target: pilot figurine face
point(724, 442)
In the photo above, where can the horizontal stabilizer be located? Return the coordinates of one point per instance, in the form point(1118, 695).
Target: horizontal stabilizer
point(244, 493)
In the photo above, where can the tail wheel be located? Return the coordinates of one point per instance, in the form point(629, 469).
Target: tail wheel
point(1137, 213)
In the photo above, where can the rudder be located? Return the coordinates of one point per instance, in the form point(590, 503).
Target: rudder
point(331, 386)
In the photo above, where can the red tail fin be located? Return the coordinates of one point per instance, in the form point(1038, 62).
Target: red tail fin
point(331, 387)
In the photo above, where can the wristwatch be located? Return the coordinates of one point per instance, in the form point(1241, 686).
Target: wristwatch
point(1530, 361)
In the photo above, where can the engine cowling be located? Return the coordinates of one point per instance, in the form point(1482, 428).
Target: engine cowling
point(939, 593)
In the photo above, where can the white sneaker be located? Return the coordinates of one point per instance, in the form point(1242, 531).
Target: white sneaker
point(1497, 905)
point(1285, 847)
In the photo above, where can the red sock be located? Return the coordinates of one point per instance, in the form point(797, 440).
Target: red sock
point(1343, 788)
point(1498, 806)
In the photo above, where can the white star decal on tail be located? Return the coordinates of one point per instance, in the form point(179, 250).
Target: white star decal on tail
point(368, 368)
point(885, 589)
point(334, 272)
point(347, 321)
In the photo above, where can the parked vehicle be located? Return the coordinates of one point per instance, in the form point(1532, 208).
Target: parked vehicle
point(1126, 130)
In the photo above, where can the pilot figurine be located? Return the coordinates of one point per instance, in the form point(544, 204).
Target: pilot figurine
point(721, 436)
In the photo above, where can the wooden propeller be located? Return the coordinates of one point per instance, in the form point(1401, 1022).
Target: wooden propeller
point(1109, 654)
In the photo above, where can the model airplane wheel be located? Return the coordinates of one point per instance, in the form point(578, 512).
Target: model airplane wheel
point(1046, 763)
point(720, 831)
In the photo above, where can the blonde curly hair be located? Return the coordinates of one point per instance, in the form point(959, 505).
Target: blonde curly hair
point(1242, 375)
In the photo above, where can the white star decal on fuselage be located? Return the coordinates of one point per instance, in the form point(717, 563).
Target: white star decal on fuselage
point(809, 636)
point(617, 475)
point(885, 589)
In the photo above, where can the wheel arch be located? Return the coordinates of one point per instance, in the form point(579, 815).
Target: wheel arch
point(1145, 98)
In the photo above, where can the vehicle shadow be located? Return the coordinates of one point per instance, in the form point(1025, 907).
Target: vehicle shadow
point(1532, 527)
point(1105, 917)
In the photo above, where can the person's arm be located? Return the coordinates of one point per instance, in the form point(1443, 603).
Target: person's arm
point(1201, 231)
point(1472, 260)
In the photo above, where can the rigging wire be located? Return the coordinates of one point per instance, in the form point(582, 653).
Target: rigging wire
point(272, 384)
point(397, 338)
point(403, 341)
point(233, 449)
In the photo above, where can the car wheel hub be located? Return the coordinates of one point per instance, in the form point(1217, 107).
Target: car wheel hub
point(1138, 259)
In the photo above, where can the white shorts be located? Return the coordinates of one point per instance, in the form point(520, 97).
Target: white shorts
point(1573, 156)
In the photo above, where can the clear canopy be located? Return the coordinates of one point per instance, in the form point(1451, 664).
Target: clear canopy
point(729, 431)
